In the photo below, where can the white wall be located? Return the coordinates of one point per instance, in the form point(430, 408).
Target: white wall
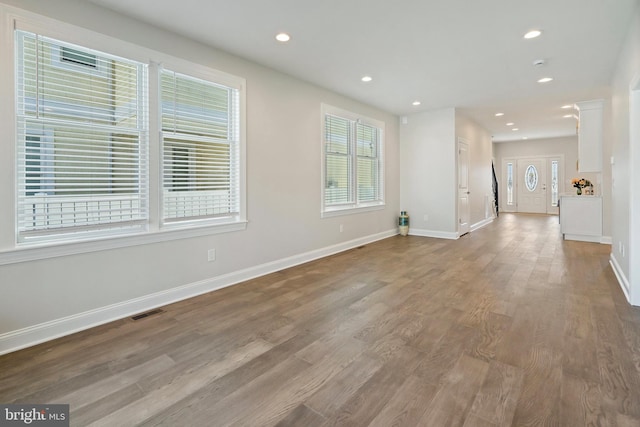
point(625, 254)
point(428, 172)
point(480, 178)
point(49, 297)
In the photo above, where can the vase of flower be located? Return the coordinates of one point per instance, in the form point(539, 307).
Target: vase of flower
point(580, 183)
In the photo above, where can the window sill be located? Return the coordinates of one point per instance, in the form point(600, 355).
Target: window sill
point(25, 254)
point(339, 211)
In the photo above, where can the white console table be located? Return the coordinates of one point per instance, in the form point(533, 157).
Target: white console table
point(581, 217)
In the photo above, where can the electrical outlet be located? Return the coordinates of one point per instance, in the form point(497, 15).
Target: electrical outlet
point(211, 255)
point(341, 228)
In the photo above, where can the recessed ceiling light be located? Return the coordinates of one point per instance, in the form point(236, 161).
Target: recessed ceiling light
point(366, 79)
point(510, 124)
point(515, 129)
point(567, 106)
point(499, 114)
point(525, 137)
point(283, 37)
point(415, 103)
point(545, 80)
point(568, 116)
point(532, 34)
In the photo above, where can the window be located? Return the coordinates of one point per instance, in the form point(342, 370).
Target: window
point(352, 162)
point(531, 178)
point(554, 183)
point(510, 184)
point(81, 143)
point(201, 149)
point(84, 145)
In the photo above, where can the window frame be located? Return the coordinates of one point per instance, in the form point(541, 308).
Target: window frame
point(354, 205)
point(13, 251)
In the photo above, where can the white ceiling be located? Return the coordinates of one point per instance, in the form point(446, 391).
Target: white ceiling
point(467, 54)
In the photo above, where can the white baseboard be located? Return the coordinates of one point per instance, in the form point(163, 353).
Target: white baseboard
point(606, 240)
point(32, 335)
point(582, 238)
point(479, 225)
point(622, 279)
point(447, 234)
point(432, 233)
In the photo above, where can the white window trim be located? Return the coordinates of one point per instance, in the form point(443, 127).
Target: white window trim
point(12, 18)
point(354, 207)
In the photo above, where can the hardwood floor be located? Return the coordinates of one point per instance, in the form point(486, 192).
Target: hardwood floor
point(509, 325)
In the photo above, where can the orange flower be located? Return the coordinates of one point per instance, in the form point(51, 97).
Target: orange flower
point(580, 182)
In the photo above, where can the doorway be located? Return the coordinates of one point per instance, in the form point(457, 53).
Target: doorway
point(532, 184)
point(464, 210)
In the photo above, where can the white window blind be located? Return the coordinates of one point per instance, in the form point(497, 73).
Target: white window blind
point(368, 140)
point(352, 163)
point(201, 148)
point(81, 140)
point(338, 161)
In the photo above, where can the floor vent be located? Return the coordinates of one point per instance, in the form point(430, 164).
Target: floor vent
point(147, 314)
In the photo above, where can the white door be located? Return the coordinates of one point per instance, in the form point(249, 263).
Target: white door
point(531, 185)
point(464, 215)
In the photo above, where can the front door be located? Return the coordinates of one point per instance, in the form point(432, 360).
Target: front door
point(532, 186)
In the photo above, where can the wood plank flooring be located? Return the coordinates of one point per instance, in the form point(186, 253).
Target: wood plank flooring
point(507, 326)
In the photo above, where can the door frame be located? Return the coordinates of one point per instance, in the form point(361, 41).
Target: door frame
point(463, 227)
